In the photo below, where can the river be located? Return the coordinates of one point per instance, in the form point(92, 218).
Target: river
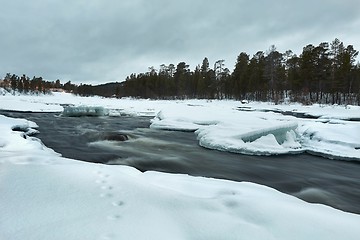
point(311, 178)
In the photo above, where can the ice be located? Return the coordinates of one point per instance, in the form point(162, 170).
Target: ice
point(332, 139)
point(279, 132)
point(316, 195)
point(233, 131)
point(84, 111)
point(261, 143)
point(28, 129)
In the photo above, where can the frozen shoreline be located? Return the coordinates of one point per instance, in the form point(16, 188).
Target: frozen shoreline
point(253, 128)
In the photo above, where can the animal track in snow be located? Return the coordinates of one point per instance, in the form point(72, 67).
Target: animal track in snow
point(100, 181)
point(114, 217)
point(107, 187)
point(118, 203)
point(106, 195)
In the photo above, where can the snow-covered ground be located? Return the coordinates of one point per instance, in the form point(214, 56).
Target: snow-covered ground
point(45, 196)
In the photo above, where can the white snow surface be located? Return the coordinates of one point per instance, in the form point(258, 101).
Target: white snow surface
point(45, 196)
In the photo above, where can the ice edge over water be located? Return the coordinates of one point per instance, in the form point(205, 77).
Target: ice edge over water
point(281, 139)
point(264, 132)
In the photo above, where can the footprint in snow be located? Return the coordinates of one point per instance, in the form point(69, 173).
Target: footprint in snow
point(114, 217)
point(106, 195)
point(107, 187)
point(118, 203)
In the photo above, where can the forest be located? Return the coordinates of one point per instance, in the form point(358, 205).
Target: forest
point(37, 85)
point(326, 74)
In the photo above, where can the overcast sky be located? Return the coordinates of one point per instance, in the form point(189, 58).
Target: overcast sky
point(97, 41)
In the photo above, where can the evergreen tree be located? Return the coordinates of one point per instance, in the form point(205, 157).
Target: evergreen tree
point(181, 79)
point(274, 73)
point(26, 82)
point(239, 83)
point(14, 83)
point(257, 85)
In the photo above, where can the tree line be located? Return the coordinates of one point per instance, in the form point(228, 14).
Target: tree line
point(36, 85)
point(327, 73)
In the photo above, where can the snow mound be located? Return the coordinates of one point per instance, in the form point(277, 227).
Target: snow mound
point(334, 139)
point(268, 141)
point(230, 130)
point(84, 111)
point(15, 145)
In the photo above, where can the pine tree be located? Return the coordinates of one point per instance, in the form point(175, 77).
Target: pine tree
point(240, 77)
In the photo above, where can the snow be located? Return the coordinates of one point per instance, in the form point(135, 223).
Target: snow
point(46, 196)
point(90, 201)
point(335, 139)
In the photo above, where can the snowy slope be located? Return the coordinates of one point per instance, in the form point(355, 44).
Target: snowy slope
point(45, 196)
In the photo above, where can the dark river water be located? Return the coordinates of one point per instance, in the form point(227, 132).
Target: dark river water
point(311, 178)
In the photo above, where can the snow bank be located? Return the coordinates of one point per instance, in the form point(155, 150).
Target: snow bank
point(265, 131)
point(15, 145)
point(333, 139)
point(231, 130)
point(56, 101)
point(347, 112)
point(45, 196)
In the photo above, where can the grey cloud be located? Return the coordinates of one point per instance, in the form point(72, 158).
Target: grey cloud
point(100, 41)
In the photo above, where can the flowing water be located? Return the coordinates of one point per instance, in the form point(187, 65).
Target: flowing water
point(311, 178)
